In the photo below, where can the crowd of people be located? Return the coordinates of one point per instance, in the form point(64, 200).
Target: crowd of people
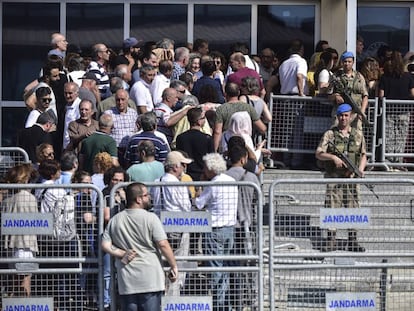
point(157, 112)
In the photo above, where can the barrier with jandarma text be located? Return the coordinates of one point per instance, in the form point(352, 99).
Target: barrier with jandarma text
point(211, 275)
point(46, 263)
point(333, 245)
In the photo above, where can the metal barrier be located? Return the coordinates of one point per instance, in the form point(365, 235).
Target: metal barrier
point(200, 274)
point(397, 133)
point(298, 124)
point(65, 274)
point(10, 156)
point(312, 259)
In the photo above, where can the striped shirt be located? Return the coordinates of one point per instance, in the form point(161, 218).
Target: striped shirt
point(102, 76)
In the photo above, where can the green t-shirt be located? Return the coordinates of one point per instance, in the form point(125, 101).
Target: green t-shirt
point(140, 230)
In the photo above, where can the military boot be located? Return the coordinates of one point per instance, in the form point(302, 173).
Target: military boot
point(330, 245)
point(353, 245)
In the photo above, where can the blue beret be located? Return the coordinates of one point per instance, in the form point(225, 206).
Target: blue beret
point(343, 108)
point(347, 54)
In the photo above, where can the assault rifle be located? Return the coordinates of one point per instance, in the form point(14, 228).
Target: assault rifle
point(351, 167)
point(346, 95)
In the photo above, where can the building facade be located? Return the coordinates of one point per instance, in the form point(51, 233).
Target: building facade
point(27, 25)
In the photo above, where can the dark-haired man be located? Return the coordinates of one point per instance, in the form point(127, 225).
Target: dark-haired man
point(232, 105)
point(195, 143)
point(208, 68)
point(31, 137)
point(136, 245)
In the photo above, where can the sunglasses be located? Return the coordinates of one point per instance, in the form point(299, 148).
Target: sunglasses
point(46, 100)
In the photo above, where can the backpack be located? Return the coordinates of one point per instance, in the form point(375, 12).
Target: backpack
point(64, 227)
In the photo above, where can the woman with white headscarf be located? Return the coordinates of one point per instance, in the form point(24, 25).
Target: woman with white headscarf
point(241, 125)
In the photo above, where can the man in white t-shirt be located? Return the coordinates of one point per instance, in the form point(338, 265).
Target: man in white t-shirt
point(140, 90)
point(293, 71)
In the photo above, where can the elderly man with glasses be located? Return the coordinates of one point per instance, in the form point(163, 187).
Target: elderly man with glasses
point(98, 66)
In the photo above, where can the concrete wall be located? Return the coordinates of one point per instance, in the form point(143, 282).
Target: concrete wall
point(333, 23)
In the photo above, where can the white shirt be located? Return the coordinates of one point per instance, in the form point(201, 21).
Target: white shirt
point(72, 114)
point(158, 85)
point(220, 202)
point(76, 76)
point(323, 76)
point(171, 198)
point(288, 72)
point(52, 104)
point(32, 118)
point(141, 94)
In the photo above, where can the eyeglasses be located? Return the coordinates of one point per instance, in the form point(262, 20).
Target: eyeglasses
point(46, 100)
point(182, 91)
point(106, 51)
point(51, 154)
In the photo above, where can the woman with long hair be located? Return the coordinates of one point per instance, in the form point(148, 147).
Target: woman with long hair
point(323, 74)
point(21, 246)
point(396, 83)
point(371, 71)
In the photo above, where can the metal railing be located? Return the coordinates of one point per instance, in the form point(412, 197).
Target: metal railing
point(64, 274)
point(243, 266)
point(304, 273)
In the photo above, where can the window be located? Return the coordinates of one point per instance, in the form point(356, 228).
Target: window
point(394, 30)
point(25, 44)
point(222, 25)
point(15, 118)
point(279, 24)
point(152, 22)
point(88, 24)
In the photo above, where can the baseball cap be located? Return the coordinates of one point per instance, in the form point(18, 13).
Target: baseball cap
point(176, 157)
point(347, 54)
point(343, 108)
point(90, 76)
point(132, 42)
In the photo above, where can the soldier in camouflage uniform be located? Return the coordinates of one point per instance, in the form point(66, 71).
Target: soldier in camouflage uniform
point(347, 80)
point(352, 143)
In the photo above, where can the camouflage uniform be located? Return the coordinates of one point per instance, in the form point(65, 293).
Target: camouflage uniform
point(355, 86)
point(342, 195)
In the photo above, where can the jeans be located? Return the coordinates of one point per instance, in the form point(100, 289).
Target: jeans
point(107, 279)
point(217, 243)
point(141, 302)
